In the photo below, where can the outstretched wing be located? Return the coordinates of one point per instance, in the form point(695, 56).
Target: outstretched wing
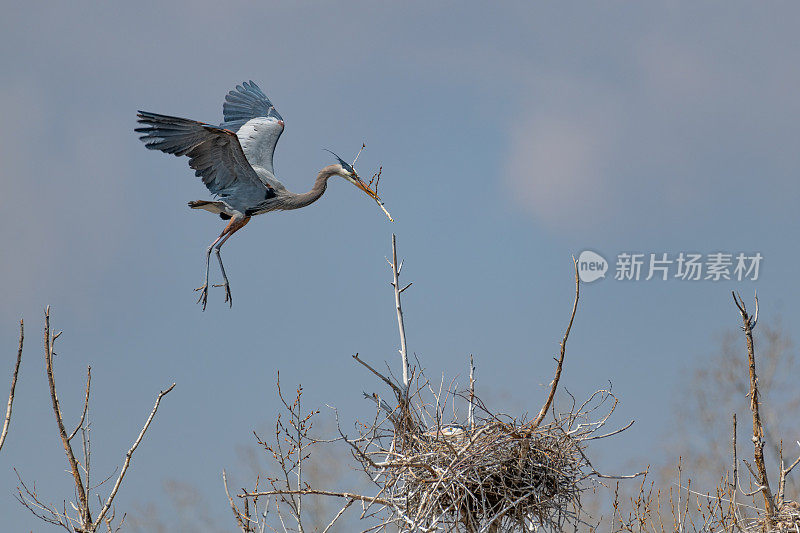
point(214, 153)
point(248, 112)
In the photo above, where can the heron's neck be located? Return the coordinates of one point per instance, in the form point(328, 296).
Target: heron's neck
point(320, 184)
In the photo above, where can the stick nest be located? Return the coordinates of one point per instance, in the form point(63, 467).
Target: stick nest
point(786, 521)
point(494, 474)
point(498, 473)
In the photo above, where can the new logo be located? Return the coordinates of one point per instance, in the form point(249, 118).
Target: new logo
point(591, 266)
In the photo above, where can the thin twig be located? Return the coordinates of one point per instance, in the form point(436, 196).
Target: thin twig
point(734, 484)
point(13, 385)
point(400, 324)
point(554, 384)
point(794, 464)
point(471, 413)
point(783, 473)
point(236, 513)
point(363, 145)
point(299, 424)
point(615, 432)
point(338, 515)
point(85, 402)
point(383, 378)
point(128, 456)
point(377, 179)
point(335, 494)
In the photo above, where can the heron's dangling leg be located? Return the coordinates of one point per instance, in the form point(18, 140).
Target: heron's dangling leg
point(204, 289)
point(232, 228)
point(228, 297)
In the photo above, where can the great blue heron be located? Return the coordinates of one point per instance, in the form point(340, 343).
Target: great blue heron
point(234, 160)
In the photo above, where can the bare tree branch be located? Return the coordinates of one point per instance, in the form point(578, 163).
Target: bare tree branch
point(338, 515)
point(241, 521)
point(348, 495)
point(49, 351)
point(554, 384)
point(758, 428)
point(383, 378)
point(126, 463)
point(735, 481)
point(794, 464)
point(7, 421)
point(782, 475)
point(400, 324)
point(85, 402)
point(471, 412)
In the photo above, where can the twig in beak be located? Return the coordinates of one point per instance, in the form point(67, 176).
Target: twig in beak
point(363, 145)
point(376, 178)
point(384, 210)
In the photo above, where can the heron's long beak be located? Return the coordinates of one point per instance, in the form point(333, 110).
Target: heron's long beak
point(355, 180)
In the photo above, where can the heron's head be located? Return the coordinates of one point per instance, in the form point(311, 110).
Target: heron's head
point(346, 170)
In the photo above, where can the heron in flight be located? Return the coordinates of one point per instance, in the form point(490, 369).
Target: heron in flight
point(234, 160)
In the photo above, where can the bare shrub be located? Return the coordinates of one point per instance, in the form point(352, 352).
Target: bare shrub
point(750, 503)
point(79, 518)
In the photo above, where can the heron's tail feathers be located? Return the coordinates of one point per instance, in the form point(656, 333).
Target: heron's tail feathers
point(211, 207)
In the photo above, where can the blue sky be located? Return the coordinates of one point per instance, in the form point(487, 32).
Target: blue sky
point(511, 138)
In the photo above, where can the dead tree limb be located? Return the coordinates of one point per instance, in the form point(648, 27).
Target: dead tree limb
point(85, 402)
point(735, 455)
point(400, 325)
point(782, 476)
point(126, 463)
point(81, 521)
point(471, 412)
point(7, 421)
point(242, 519)
point(749, 322)
point(381, 376)
point(335, 494)
point(49, 351)
point(554, 384)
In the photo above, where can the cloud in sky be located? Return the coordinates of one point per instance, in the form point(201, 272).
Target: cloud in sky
point(685, 122)
point(557, 160)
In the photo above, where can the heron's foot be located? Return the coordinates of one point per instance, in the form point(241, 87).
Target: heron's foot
point(228, 297)
point(203, 295)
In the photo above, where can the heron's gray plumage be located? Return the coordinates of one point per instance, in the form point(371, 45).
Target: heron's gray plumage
point(249, 113)
point(234, 160)
point(214, 153)
point(258, 137)
point(286, 200)
point(247, 101)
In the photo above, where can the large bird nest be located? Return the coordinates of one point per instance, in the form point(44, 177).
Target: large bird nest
point(496, 473)
point(787, 520)
point(474, 473)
